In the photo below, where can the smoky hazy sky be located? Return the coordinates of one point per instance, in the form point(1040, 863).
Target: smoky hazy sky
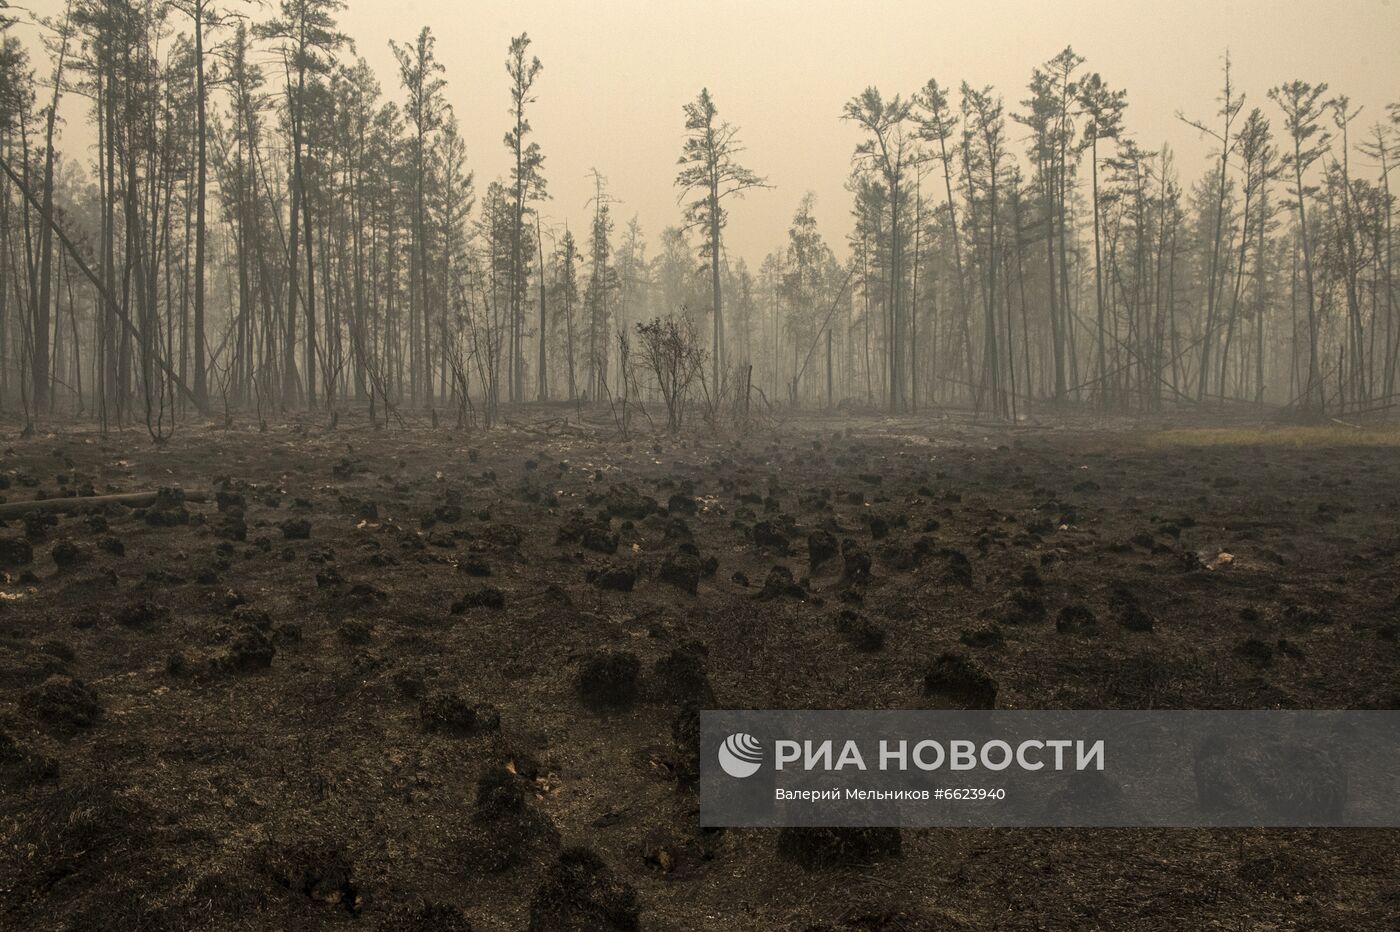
point(616, 73)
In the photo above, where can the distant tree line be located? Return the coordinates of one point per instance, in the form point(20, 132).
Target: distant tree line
point(262, 227)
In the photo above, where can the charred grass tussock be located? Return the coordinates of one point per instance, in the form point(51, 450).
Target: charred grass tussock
point(412, 717)
point(506, 827)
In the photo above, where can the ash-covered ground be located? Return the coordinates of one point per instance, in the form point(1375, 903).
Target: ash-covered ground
point(414, 679)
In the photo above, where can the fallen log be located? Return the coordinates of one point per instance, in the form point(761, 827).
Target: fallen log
point(77, 503)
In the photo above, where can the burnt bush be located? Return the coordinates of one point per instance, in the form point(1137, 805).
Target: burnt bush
point(682, 570)
point(957, 568)
point(296, 529)
point(821, 547)
point(251, 649)
point(168, 510)
point(1023, 607)
point(681, 677)
point(66, 554)
point(594, 535)
point(680, 504)
point(779, 585)
point(1076, 619)
point(485, 597)
point(955, 682)
point(615, 579)
point(63, 702)
point(856, 560)
point(140, 615)
point(504, 828)
point(1127, 610)
point(15, 552)
point(609, 680)
point(581, 892)
point(859, 631)
point(765, 534)
point(445, 712)
point(623, 501)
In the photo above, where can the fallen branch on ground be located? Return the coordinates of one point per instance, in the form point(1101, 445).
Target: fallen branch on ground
point(76, 503)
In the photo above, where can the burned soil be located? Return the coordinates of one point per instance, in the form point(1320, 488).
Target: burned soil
point(428, 680)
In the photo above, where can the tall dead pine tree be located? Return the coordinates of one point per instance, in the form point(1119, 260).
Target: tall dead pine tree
point(527, 185)
point(419, 70)
point(709, 175)
point(1302, 108)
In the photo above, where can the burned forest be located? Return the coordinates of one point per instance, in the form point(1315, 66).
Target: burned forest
point(407, 439)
